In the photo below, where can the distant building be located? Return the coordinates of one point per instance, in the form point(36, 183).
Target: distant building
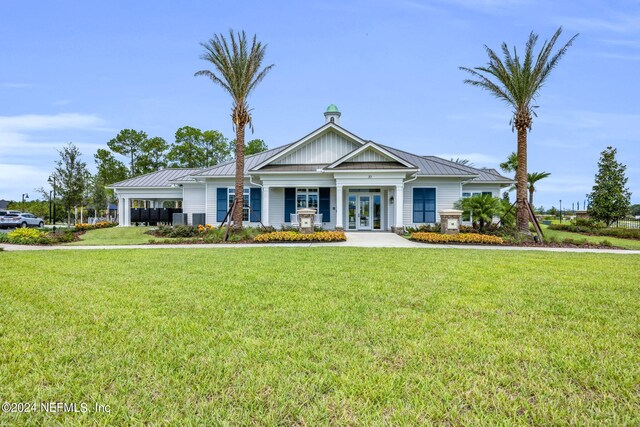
point(4, 204)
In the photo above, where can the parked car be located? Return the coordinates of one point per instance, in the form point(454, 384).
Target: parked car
point(13, 220)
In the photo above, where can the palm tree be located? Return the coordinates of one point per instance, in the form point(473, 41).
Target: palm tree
point(518, 82)
point(532, 178)
point(482, 208)
point(237, 67)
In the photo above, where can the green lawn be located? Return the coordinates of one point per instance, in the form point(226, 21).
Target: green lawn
point(115, 236)
point(560, 235)
point(322, 336)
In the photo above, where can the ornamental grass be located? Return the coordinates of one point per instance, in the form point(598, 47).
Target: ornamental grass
point(293, 236)
point(484, 239)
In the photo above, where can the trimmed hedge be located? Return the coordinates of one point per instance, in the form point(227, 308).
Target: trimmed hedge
point(292, 236)
point(97, 225)
point(484, 239)
point(622, 233)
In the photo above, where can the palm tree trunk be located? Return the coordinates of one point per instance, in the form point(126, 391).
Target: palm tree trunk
point(237, 214)
point(522, 215)
point(531, 196)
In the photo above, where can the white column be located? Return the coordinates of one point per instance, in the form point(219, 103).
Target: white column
point(339, 209)
point(120, 211)
point(399, 205)
point(265, 205)
point(127, 211)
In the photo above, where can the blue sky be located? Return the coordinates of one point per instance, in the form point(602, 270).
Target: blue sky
point(79, 71)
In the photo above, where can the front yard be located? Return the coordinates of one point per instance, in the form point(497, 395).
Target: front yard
point(314, 336)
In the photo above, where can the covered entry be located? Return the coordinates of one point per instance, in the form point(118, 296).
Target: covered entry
point(364, 209)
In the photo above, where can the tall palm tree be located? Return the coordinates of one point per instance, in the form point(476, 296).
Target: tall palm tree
point(517, 81)
point(532, 178)
point(237, 67)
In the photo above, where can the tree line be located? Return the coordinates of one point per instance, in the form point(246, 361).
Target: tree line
point(75, 186)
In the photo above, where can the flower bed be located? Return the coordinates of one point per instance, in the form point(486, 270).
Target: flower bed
point(31, 236)
point(97, 225)
point(484, 239)
point(292, 236)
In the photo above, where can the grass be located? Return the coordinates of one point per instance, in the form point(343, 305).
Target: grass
point(115, 236)
point(560, 235)
point(322, 336)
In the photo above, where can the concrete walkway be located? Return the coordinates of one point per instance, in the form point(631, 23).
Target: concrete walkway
point(359, 240)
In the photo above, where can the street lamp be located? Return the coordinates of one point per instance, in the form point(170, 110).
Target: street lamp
point(24, 196)
point(560, 210)
point(52, 179)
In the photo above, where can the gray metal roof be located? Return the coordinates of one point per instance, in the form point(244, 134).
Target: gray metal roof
point(492, 175)
point(431, 165)
point(161, 178)
point(229, 168)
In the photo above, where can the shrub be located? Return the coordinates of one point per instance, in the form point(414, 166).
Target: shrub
point(292, 236)
point(425, 228)
point(99, 224)
point(457, 238)
point(27, 236)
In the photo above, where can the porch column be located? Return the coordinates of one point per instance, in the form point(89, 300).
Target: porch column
point(121, 211)
point(339, 210)
point(399, 205)
point(265, 205)
point(127, 211)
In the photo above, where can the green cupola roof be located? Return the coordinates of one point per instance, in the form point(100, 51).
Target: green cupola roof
point(332, 109)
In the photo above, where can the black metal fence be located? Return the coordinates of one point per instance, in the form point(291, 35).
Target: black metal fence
point(153, 216)
point(628, 223)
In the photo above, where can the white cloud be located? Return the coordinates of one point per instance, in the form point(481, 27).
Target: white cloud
point(621, 23)
point(31, 122)
point(20, 178)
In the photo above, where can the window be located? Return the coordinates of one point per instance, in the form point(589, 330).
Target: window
point(424, 205)
point(245, 208)
point(307, 198)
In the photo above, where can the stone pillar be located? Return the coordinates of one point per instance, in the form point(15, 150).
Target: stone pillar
point(265, 206)
point(450, 221)
point(305, 217)
point(399, 209)
point(339, 208)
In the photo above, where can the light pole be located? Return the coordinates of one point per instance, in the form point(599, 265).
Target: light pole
point(52, 179)
point(24, 196)
point(560, 210)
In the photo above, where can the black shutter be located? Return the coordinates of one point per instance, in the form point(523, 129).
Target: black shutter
point(324, 207)
point(221, 204)
point(418, 205)
point(289, 203)
point(430, 205)
point(255, 201)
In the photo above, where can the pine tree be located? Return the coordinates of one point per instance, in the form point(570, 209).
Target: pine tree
point(609, 199)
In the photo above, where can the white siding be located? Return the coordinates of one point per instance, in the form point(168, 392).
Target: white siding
point(370, 155)
point(447, 193)
point(193, 200)
point(479, 188)
point(326, 148)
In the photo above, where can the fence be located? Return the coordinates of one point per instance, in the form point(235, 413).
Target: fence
point(153, 216)
point(628, 223)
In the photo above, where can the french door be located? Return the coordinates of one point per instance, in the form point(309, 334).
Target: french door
point(364, 211)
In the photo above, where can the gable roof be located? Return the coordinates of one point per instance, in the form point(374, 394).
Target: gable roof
point(158, 179)
point(434, 166)
point(493, 176)
point(229, 168)
point(321, 130)
point(370, 145)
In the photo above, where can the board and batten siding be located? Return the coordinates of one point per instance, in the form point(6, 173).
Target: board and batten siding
point(326, 148)
point(447, 193)
point(193, 200)
point(370, 155)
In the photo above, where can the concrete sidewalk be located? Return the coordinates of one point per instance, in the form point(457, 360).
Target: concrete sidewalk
point(359, 240)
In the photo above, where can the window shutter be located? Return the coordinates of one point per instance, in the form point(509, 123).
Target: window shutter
point(429, 205)
point(289, 203)
point(255, 201)
point(221, 203)
point(324, 207)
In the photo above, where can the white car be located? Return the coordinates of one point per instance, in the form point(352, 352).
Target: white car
point(13, 220)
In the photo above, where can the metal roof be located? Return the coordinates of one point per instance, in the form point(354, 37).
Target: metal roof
point(431, 165)
point(229, 168)
point(311, 167)
point(161, 178)
point(491, 175)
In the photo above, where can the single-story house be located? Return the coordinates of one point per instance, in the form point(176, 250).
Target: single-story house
point(353, 183)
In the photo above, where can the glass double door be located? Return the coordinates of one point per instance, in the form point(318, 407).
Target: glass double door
point(364, 212)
